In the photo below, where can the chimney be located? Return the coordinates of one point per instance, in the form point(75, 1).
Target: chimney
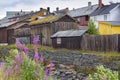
point(57, 9)
point(67, 9)
point(89, 3)
point(100, 3)
point(48, 10)
point(41, 9)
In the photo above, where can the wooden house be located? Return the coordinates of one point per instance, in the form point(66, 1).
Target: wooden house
point(109, 27)
point(83, 14)
point(70, 39)
point(17, 31)
point(3, 32)
point(109, 12)
point(47, 26)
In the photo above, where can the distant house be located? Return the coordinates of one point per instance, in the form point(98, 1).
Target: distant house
point(109, 27)
point(106, 13)
point(83, 14)
point(70, 39)
point(47, 26)
point(10, 16)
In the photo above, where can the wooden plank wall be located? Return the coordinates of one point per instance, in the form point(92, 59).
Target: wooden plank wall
point(49, 29)
point(11, 37)
point(69, 43)
point(3, 35)
point(104, 43)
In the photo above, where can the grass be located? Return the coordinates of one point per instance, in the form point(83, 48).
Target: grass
point(46, 48)
point(30, 46)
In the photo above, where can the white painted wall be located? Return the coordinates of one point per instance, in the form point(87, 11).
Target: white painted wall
point(114, 15)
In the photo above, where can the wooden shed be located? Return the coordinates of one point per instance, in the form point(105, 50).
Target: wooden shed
point(3, 32)
point(70, 39)
point(48, 25)
point(19, 31)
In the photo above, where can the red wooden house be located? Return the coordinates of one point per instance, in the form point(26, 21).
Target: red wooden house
point(82, 14)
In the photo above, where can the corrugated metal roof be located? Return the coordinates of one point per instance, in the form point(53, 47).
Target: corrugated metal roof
point(7, 24)
point(82, 11)
point(46, 19)
point(69, 33)
point(104, 10)
point(115, 23)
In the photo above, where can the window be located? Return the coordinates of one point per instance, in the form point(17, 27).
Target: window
point(78, 19)
point(87, 18)
point(105, 17)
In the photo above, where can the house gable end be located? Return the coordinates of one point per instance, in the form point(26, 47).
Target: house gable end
point(66, 18)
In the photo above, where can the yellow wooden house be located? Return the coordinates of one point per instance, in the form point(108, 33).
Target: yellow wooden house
point(109, 27)
point(42, 12)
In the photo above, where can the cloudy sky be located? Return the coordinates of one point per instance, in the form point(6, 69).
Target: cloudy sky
point(34, 5)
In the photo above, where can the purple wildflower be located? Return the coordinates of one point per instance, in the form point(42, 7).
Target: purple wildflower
point(35, 41)
point(36, 57)
point(16, 67)
point(51, 64)
point(41, 59)
point(25, 49)
point(1, 64)
point(35, 73)
point(16, 57)
point(8, 72)
point(46, 73)
point(19, 45)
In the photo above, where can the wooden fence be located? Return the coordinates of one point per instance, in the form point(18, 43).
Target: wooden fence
point(102, 43)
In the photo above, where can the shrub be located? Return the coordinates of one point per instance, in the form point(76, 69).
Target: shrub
point(103, 74)
point(92, 28)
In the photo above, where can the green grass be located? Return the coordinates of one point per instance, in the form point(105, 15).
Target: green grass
point(30, 46)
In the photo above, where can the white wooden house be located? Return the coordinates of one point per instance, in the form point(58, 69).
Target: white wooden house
point(106, 13)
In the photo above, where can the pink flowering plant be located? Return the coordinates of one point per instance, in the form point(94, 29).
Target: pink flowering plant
point(21, 67)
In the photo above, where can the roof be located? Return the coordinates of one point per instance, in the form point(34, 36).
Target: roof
point(45, 19)
point(62, 11)
point(48, 19)
point(18, 26)
point(7, 24)
point(82, 11)
point(69, 33)
point(104, 10)
point(114, 23)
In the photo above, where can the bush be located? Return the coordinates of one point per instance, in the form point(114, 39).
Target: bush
point(103, 74)
point(92, 28)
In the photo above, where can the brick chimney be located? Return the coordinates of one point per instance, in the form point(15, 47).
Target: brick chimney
point(100, 4)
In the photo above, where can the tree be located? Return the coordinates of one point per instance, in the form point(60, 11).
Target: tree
point(92, 28)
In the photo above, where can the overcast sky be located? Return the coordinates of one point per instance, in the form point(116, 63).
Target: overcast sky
point(34, 5)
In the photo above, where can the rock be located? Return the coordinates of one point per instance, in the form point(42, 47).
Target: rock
point(5, 51)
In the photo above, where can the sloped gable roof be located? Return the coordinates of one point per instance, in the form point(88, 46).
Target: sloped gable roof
point(69, 33)
point(48, 19)
point(7, 24)
point(104, 10)
point(82, 11)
